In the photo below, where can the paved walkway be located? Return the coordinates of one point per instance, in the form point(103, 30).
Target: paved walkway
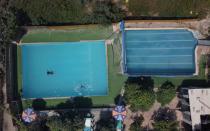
point(7, 118)
point(173, 105)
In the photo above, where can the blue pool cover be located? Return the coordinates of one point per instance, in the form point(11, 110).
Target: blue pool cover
point(159, 52)
point(64, 69)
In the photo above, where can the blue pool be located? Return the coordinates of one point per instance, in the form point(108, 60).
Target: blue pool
point(159, 52)
point(64, 69)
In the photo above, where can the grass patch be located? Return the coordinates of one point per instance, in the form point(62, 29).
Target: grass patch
point(68, 33)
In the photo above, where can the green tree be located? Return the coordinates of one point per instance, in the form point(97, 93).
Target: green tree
point(7, 28)
point(136, 125)
point(45, 12)
point(50, 12)
point(7, 31)
point(166, 93)
point(138, 97)
point(7, 24)
point(106, 12)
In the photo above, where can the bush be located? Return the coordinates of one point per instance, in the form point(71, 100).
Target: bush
point(138, 97)
point(166, 93)
point(136, 125)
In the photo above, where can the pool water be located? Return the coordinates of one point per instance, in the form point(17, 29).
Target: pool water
point(64, 69)
point(159, 52)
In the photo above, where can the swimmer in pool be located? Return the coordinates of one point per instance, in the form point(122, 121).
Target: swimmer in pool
point(82, 86)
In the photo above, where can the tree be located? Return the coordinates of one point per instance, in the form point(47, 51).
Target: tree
point(7, 27)
point(42, 12)
point(7, 22)
point(136, 125)
point(45, 12)
point(138, 97)
point(106, 12)
point(71, 120)
point(166, 93)
point(165, 120)
point(106, 124)
point(7, 31)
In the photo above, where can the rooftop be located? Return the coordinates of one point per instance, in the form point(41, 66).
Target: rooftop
point(199, 105)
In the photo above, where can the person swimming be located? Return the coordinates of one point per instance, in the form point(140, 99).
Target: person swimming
point(50, 72)
point(82, 86)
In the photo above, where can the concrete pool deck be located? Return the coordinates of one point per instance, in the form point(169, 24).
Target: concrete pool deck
point(199, 27)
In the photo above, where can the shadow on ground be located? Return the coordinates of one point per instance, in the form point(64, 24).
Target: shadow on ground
point(39, 104)
point(76, 102)
point(106, 122)
point(146, 82)
point(193, 83)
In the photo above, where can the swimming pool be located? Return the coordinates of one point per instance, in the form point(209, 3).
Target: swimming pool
point(168, 52)
point(64, 69)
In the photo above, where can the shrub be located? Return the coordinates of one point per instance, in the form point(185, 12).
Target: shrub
point(138, 97)
point(166, 93)
point(136, 125)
